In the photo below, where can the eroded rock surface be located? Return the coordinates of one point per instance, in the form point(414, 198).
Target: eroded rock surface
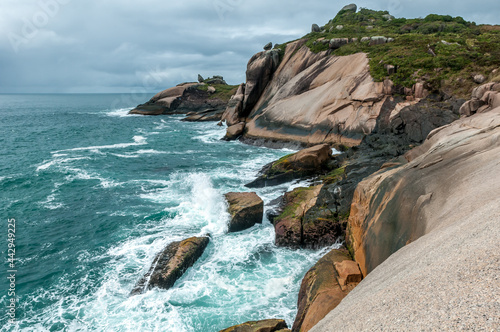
point(170, 264)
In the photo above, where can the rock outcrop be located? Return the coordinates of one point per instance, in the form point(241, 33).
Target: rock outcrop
point(324, 286)
point(268, 325)
point(484, 98)
point(246, 209)
point(170, 264)
point(315, 98)
point(350, 8)
point(193, 98)
point(310, 161)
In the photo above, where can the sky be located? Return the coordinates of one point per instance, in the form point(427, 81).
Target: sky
point(125, 46)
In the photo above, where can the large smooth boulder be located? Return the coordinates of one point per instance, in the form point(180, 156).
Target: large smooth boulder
point(324, 286)
point(268, 325)
point(338, 42)
point(315, 28)
point(304, 163)
point(246, 210)
point(170, 264)
point(351, 8)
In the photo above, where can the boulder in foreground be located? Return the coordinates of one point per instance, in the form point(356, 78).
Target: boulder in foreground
point(170, 264)
point(324, 286)
point(246, 209)
point(268, 325)
point(306, 162)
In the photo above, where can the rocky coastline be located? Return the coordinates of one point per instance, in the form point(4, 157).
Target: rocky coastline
point(417, 165)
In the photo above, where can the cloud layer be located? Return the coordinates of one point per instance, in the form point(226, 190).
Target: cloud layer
point(130, 46)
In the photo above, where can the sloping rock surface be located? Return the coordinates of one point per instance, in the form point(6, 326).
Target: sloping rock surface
point(427, 235)
point(170, 264)
point(317, 98)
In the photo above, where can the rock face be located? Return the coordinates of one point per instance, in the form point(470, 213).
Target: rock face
point(397, 206)
point(182, 99)
point(234, 107)
point(303, 163)
point(268, 325)
point(315, 98)
point(170, 264)
point(260, 69)
point(246, 209)
point(324, 286)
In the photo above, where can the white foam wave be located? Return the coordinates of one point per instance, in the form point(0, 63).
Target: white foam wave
point(138, 140)
point(138, 153)
point(121, 112)
point(58, 162)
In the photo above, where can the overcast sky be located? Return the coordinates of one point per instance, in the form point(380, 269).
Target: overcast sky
point(150, 45)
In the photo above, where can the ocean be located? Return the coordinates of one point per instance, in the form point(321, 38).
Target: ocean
point(96, 193)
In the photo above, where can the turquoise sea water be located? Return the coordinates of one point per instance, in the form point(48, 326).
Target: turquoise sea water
point(96, 193)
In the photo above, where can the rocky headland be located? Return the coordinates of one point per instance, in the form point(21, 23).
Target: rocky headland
point(414, 107)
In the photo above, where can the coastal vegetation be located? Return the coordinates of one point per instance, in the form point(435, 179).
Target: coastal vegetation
point(443, 51)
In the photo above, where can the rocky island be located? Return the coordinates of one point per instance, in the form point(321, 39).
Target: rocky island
point(414, 105)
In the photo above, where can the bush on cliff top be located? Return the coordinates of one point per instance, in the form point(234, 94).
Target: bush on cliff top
point(467, 49)
point(222, 91)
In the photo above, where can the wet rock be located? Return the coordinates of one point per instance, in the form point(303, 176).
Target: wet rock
point(288, 225)
point(324, 286)
point(246, 209)
point(170, 264)
point(297, 165)
point(234, 131)
point(268, 325)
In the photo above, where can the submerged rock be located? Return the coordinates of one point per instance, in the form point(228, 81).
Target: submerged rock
point(246, 209)
point(306, 162)
point(170, 264)
point(324, 286)
point(268, 325)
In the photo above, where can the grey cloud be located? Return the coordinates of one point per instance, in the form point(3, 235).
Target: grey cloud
point(117, 46)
